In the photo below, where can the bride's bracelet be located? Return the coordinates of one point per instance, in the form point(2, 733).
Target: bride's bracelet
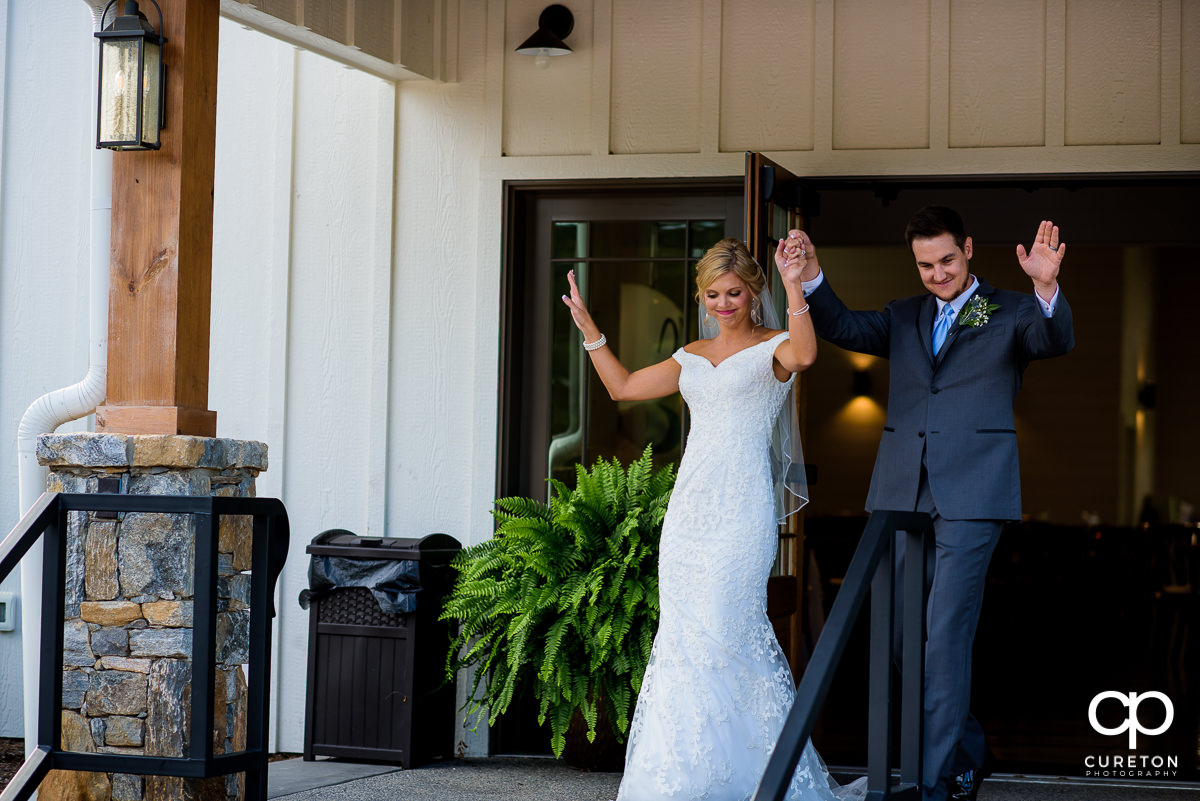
point(802, 310)
point(599, 343)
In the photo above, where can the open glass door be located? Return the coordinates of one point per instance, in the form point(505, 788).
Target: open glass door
point(633, 247)
point(634, 258)
point(776, 202)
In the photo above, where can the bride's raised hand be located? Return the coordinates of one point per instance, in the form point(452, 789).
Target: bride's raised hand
point(579, 312)
point(796, 258)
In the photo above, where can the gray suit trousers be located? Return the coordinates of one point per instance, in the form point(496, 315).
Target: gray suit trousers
point(962, 549)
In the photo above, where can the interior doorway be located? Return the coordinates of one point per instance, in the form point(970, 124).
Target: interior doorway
point(1099, 588)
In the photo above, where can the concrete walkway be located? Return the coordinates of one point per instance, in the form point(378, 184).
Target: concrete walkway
point(523, 779)
point(505, 779)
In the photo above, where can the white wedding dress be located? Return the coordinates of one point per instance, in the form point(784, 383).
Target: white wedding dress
point(717, 688)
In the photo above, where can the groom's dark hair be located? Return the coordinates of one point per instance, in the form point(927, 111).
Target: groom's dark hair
point(933, 221)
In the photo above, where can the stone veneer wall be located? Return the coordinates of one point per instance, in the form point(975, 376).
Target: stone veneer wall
point(128, 624)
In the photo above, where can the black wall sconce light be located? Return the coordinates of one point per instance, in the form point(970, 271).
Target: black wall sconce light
point(132, 87)
point(861, 384)
point(555, 23)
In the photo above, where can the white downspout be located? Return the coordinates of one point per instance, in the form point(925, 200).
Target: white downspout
point(53, 409)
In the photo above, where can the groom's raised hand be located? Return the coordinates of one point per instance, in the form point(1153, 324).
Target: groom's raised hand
point(1042, 261)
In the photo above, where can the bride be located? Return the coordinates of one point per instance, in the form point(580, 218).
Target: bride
point(717, 688)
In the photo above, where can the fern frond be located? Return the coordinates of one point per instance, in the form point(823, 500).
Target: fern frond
point(514, 507)
point(639, 473)
point(563, 600)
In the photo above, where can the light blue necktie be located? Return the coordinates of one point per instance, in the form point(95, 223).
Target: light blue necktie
point(940, 326)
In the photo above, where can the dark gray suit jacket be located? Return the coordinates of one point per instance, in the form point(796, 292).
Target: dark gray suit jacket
point(957, 408)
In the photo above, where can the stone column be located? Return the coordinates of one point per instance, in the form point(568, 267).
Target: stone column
point(128, 624)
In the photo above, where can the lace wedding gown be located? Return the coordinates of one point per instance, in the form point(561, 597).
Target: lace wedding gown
point(717, 688)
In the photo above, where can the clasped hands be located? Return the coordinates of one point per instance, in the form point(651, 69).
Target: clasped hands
point(796, 258)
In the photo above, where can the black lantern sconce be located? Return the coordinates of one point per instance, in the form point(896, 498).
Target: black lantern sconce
point(132, 88)
point(555, 23)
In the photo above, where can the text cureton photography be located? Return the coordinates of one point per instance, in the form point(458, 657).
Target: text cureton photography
point(1130, 765)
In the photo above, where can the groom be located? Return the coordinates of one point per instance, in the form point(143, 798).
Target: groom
point(949, 446)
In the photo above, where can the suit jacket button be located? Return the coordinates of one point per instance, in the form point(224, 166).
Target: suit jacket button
point(935, 390)
point(921, 434)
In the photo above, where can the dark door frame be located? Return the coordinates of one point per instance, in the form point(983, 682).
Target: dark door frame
point(520, 199)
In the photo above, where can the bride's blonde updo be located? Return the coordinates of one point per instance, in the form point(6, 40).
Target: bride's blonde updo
point(728, 256)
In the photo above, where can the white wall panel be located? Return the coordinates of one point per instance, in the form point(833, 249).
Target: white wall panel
point(1113, 69)
point(547, 110)
point(417, 46)
point(766, 75)
point(289, 10)
point(251, 238)
point(47, 141)
point(656, 69)
point(374, 26)
point(11, 707)
point(445, 346)
point(997, 73)
point(327, 19)
point(252, 214)
point(1189, 84)
point(331, 330)
point(443, 370)
point(332, 256)
point(301, 277)
point(881, 74)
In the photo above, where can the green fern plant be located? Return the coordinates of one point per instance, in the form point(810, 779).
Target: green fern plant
point(564, 598)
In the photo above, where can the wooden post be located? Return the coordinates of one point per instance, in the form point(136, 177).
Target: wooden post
point(161, 268)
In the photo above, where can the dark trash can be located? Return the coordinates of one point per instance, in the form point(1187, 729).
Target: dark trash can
point(376, 650)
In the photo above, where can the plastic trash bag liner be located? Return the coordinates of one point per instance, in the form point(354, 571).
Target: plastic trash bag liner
point(394, 582)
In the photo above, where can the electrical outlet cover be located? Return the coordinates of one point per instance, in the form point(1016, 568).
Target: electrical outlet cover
point(8, 611)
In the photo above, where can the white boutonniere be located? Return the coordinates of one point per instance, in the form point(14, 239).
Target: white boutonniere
point(977, 312)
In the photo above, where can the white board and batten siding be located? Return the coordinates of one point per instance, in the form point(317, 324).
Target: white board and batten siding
point(685, 87)
point(46, 138)
point(302, 271)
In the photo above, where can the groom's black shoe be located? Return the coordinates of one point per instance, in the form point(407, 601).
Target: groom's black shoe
point(966, 784)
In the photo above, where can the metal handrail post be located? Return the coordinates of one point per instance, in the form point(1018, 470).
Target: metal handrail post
point(48, 519)
point(204, 636)
point(26, 532)
point(865, 566)
point(819, 674)
point(259, 690)
point(54, 568)
point(25, 782)
point(912, 722)
point(879, 683)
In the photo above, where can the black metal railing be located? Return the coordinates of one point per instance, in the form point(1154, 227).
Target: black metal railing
point(47, 520)
point(871, 568)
